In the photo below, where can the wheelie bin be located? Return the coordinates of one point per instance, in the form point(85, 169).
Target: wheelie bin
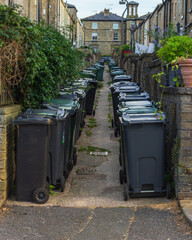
point(132, 111)
point(73, 107)
point(59, 139)
point(126, 97)
point(90, 98)
point(143, 139)
point(119, 78)
point(88, 74)
point(33, 135)
point(100, 72)
point(115, 91)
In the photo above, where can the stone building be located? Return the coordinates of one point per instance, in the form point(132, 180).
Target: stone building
point(106, 29)
point(57, 13)
point(102, 31)
point(178, 12)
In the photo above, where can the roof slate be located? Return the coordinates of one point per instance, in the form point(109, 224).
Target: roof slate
point(101, 17)
point(133, 3)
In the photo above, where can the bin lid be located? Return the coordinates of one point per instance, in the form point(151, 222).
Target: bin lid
point(64, 103)
point(122, 77)
point(65, 95)
point(122, 84)
point(46, 113)
point(137, 103)
point(143, 118)
point(134, 98)
point(139, 110)
point(89, 80)
point(127, 88)
point(122, 94)
point(39, 120)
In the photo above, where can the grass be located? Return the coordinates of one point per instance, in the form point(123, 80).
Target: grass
point(109, 97)
point(109, 83)
point(91, 123)
point(100, 85)
point(110, 117)
point(88, 133)
point(92, 149)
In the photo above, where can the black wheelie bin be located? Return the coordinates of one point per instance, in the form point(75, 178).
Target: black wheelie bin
point(143, 139)
point(33, 135)
point(71, 106)
point(58, 145)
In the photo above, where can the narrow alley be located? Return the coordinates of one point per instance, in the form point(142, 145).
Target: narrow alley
point(92, 205)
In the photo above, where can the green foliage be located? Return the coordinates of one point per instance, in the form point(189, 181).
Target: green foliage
point(126, 47)
point(177, 46)
point(162, 37)
point(92, 149)
point(50, 58)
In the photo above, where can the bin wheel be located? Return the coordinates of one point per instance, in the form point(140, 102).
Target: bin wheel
point(126, 192)
point(112, 123)
point(168, 192)
point(74, 156)
point(70, 166)
point(82, 124)
point(62, 187)
point(120, 160)
point(66, 173)
point(40, 195)
point(121, 176)
point(116, 132)
point(93, 113)
point(80, 132)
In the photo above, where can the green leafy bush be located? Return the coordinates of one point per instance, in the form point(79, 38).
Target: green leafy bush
point(50, 59)
point(177, 46)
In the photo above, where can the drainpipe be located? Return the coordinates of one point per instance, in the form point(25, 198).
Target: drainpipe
point(48, 3)
point(186, 4)
point(38, 11)
point(170, 8)
point(28, 6)
point(164, 15)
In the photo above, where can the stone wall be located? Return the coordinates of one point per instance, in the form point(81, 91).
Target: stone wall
point(7, 149)
point(177, 105)
point(105, 37)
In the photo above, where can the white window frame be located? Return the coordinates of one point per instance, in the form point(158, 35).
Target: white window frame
point(94, 36)
point(115, 26)
point(115, 38)
point(94, 25)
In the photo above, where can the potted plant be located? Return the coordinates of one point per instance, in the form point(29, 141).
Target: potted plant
point(177, 51)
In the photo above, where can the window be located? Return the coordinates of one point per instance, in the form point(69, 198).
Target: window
point(115, 26)
point(134, 11)
point(115, 37)
point(94, 36)
point(132, 23)
point(94, 25)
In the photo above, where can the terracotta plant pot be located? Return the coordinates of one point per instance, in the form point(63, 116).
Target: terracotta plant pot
point(186, 71)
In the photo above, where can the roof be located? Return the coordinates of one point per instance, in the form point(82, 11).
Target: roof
point(70, 5)
point(133, 3)
point(101, 17)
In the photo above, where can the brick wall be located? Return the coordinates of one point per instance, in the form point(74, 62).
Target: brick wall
point(7, 149)
point(177, 105)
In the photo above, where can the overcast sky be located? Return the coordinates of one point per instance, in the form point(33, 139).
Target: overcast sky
point(88, 8)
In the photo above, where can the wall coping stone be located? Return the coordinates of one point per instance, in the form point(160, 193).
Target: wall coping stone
point(155, 63)
point(146, 55)
point(178, 90)
point(5, 110)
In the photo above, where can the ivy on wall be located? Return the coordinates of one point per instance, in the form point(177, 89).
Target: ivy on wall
point(35, 58)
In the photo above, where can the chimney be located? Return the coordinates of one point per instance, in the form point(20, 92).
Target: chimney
point(106, 12)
